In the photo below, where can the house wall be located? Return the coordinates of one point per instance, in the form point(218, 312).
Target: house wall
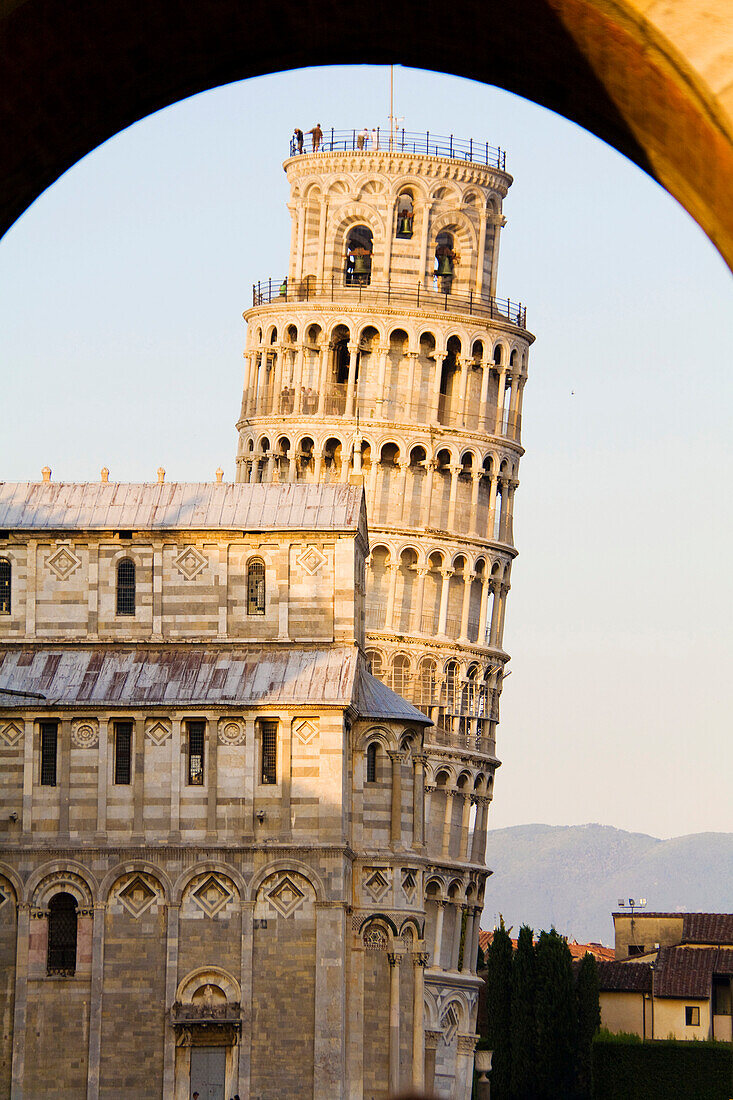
point(623, 1012)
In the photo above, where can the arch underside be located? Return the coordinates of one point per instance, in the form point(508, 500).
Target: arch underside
point(656, 85)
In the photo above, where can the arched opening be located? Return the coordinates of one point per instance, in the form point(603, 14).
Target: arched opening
point(400, 675)
point(359, 249)
point(371, 762)
point(256, 587)
point(446, 259)
point(126, 587)
point(405, 214)
point(62, 927)
point(6, 579)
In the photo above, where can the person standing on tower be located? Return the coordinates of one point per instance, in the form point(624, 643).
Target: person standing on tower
point(317, 134)
point(362, 138)
point(298, 135)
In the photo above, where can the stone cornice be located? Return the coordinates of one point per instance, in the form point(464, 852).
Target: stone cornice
point(394, 162)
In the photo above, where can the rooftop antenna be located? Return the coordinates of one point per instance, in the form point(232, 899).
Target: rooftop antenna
point(632, 904)
point(391, 106)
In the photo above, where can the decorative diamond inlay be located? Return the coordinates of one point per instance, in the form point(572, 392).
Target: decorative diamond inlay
point(63, 562)
point(157, 730)
point(409, 884)
point(3, 897)
point(11, 733)
point(376, 885)
point(311, 559)
point(306, 731)
point(286, 897)
point(190, 562)
point(449, 1025)
point(212, 895)
point(137, 896)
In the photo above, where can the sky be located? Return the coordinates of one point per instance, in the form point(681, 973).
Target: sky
point(121, 338)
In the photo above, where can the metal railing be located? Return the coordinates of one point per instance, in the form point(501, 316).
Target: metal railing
point(405, 141)
point(415, 296)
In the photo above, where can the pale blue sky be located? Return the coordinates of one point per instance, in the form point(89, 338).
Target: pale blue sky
point(122, 293)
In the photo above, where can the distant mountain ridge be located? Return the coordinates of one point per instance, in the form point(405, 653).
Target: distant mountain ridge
point(571, 876)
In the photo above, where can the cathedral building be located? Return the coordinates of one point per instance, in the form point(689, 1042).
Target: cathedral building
point(247, 730)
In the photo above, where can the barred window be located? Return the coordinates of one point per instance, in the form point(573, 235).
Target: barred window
point(196, 732)
point(371, 763)
point(126, 587)
point(269, 752)
point(256, 587)
point(49, 747)
point(376, 664)
point(61, 957)
point(428, 681)
point(123, 753)
point(400, 674)
point(6, 576)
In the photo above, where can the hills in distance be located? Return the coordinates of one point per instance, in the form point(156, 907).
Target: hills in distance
point(572, 876)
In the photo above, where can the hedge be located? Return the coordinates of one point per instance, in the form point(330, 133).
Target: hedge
point(660, 1069)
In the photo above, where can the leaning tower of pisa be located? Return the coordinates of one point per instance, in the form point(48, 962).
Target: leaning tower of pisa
point(385, 354)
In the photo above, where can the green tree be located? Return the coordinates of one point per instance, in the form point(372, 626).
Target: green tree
point(556, 1018)
point(589, 1021)
point(498, 1010)
point(523, 1017)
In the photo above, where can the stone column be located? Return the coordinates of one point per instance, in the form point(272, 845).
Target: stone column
point(467, 965)
point(465, 365)
point(393, 569)
point(485, 379)
point(464, 1063)
point(21, 1002)
point(175, 763)
point(292, 464)
point(435, 397)
point(476, 478)
point(426, 502)
point(322, 379)
point(456, 944)
point(498, 221)
point(422, 572)
point(402, 492)
point(212, 777)
point(351, 384)
point(432, 1039)
point(465, 818)
point(30, 588)
point(322, 239)
point(138, 790)
point(478, 847)
point(454, 472)
point(418, 801)
point(482, 624)
point(446, 574)
point(64, 777)
point(500, 401)
point(438, 945)
point(395, 831)
point(245, 982)
point(493, 489)
point(477, 910)
point(28, 731)
point(394, 1021)
point(480, 251)
point(419, 962)
point(329, 1051)
point(298, 381)
point(171, 984)
point(413, 393)
point(383, 353)
point(447, 821)
point(500, 632)
point(95, 1006)
point(495, 612)
point(468, 579)
point(424, 229)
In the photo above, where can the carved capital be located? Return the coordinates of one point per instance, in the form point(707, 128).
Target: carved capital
point(394, 959)
point(421, 958)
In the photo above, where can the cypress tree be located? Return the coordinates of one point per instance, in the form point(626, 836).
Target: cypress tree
point(556, 1018)
point(523, 1024)
point(589, 1021)
point(498, 1010)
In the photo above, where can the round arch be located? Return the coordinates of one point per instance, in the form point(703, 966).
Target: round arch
point(645, 80)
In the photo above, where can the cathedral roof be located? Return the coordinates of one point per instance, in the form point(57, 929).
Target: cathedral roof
point(216, 675)
point(206, 506)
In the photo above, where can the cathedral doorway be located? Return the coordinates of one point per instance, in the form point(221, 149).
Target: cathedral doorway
point(208, 1071)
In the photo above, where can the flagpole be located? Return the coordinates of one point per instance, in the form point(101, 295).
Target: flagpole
point(391, 105)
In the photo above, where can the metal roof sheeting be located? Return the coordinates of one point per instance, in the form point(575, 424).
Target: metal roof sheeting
point(200, 675)
point(63, 506)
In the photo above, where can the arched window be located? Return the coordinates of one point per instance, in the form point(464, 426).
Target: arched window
point(126, 587)
point(405, 215)
point(359, 249)
point(371, 762)
point(376, 664)
point(256, 587)
point(445, 259)
point(6, 577)
point(400, 674)
point(428, 675)
point(451, 686)
point(61, 958)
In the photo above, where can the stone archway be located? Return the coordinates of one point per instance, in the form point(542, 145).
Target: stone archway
point(651, 77)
